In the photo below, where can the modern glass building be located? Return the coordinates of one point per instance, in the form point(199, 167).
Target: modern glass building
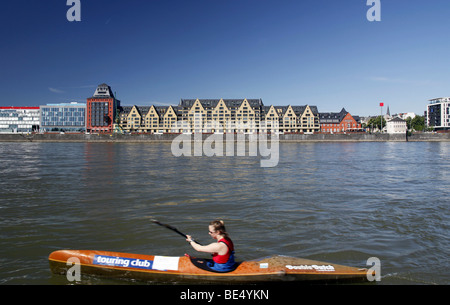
point(19, 119)
point(70, 117)
point(438, 113)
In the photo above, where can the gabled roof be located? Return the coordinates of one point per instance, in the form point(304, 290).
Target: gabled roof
point(332, 117)
point(165, 108)
point(298, 110)
point(143, 110)
point(212, 103)
point(396, 119)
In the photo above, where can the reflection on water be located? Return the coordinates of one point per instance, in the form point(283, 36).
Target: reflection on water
point(337, 202)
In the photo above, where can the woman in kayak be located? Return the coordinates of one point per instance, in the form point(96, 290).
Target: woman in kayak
point(222, 250)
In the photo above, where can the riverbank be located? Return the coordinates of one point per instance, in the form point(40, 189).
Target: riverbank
point(360, 137)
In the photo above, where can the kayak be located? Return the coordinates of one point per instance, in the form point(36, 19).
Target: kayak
point(184, 269)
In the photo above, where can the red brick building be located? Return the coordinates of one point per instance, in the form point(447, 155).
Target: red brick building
point(101, 110)
point(334, 122)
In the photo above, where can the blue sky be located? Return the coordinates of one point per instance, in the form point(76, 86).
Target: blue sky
point(317, 52)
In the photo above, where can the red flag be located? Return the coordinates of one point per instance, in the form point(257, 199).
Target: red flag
point(381, 104)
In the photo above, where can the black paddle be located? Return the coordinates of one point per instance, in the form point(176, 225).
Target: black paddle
point(173, 229)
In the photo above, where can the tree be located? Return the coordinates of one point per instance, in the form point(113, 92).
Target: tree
point(408, 122)
point(418, 123)
point(374, 122)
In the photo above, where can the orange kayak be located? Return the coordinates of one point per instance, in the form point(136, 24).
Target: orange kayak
point(175, 269)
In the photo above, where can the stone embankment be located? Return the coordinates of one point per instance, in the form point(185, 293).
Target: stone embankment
point(360, 137)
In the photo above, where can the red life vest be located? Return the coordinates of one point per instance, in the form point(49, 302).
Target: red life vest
point(222, 259)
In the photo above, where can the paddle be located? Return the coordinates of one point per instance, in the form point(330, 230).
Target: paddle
point(173, 229)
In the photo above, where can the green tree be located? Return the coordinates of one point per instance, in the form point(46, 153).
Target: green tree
point(375, 122)
point(418, 123)
point(408, 122)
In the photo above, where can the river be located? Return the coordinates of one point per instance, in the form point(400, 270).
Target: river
point(333, 202)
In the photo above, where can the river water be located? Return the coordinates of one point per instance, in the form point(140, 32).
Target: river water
point(333, 202)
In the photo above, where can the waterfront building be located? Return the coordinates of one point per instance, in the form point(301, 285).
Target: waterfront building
point(343, 121)
point(19, 119)
point(396, 125)
point(307, 117)
point(249, 116)
point(147, 119)
point(131, 118)
point(226, 115)
point(152, 119)
point(438, 113)
point(289, 119)
point(271, 118)
point(70, 117)
point(169, 119)
point(101, 110)
point(292, 119)
point(195, 114)
point(219, 116)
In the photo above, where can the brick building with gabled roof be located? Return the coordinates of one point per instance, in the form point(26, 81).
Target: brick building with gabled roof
point(343, 121)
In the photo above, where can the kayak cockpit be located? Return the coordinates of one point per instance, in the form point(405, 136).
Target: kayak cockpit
point(204, 264)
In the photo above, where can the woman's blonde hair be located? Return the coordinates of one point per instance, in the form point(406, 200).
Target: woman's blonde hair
point(219, 226)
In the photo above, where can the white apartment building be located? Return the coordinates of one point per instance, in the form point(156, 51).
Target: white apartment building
point(19, 119)
point(438, 113)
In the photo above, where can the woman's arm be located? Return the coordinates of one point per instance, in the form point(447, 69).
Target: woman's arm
point(211, 248)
